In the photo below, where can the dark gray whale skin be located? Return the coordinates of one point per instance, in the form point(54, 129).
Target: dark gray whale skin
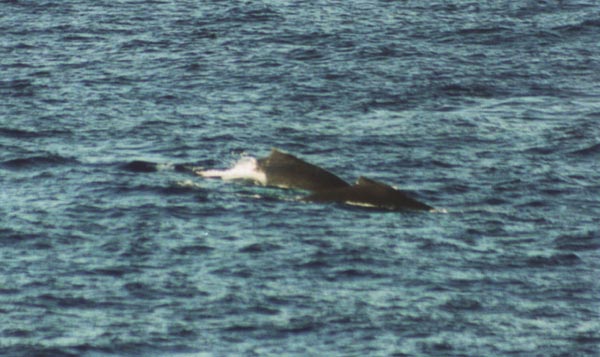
point(287, 171)
point(367, 192)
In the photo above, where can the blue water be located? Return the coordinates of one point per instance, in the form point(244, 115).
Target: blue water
point(488, 110)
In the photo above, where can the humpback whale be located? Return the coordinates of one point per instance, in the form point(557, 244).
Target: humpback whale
point(284, 170)
point(287, 171)
point(281, 170)
point(369, 193)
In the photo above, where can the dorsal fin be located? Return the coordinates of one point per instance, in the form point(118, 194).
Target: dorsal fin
point(277, 155)
point(275, 151)
point(274, 156)
point(363, 181)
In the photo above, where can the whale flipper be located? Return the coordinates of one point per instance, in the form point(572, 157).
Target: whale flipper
point(287, 171)
point(370, 193)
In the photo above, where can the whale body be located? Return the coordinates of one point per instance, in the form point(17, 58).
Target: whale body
point(284, 170)
point(287, 171)
point(369, 193)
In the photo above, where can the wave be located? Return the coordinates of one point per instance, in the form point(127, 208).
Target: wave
point(173, 189)
point(37, 161)
point(260, 248)
point(588, 151)
point(589, 26)
point(476, 90)
point(578, 242)
point(250, 15)
point(482, 30)
point(142, 166)
point(488, 35)
point(28, 134)
point(17, 88)
point(10, 235)
point(462, 304)
point(562, 259)
point(18, 133)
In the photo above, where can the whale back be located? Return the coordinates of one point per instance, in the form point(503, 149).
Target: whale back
point(287, 171)
point(371, 193)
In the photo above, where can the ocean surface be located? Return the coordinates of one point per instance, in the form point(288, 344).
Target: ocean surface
point(487, 110)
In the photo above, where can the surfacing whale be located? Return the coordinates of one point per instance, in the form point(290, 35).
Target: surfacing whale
point(284, 170)
point(287, 171)
point(281, 170)
point(369, 193)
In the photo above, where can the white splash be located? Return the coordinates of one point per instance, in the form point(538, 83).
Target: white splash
point(438, 210)
point(163, 167)
point(245, 169)
point(188, 184)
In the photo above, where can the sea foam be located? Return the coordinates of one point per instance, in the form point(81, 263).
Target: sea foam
point(245, 169)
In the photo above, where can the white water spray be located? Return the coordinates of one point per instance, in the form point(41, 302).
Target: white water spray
point(245, 169)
